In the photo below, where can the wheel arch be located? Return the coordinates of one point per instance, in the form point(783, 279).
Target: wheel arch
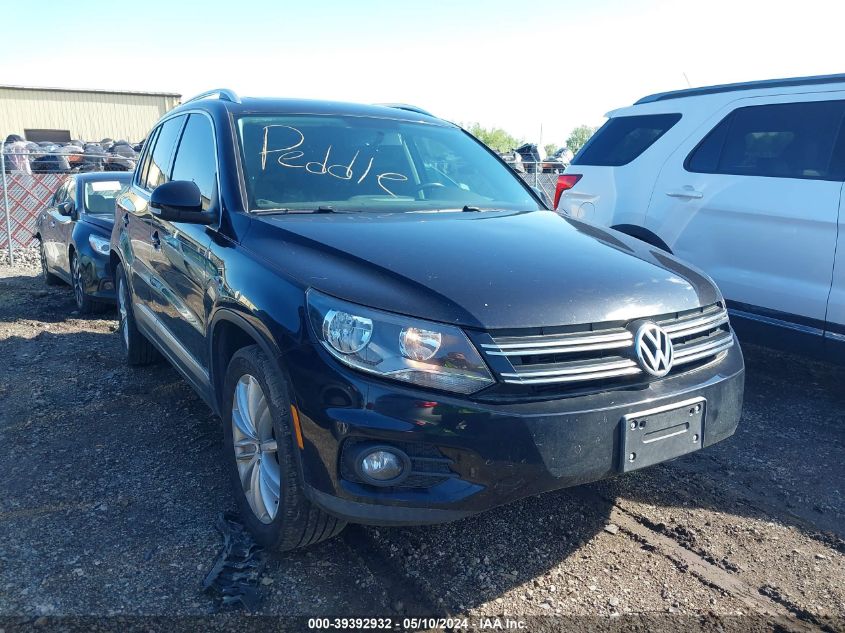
point(229, 331)
point(642, 234)
point(114, 260)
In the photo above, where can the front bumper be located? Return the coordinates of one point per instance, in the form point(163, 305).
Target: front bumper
point(96, 275)
point(499, 452)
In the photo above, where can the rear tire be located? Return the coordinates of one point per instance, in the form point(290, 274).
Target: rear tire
point(49, 278)
point(259, 449)
point(139, 351)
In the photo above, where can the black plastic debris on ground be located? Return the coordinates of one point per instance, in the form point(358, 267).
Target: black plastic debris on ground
point(233, 579)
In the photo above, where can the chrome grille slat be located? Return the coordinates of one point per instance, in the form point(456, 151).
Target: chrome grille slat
point(557, 344)
point(695, 326)
point(689, 353)
point(533, 351)
point(578, 369)
point(596, 375)
point(558, 340)
point(708, 311)
point(600, 354)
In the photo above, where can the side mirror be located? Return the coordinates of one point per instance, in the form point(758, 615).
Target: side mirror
point(65, 208)
point(179, 201)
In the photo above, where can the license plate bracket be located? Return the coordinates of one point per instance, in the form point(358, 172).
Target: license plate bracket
point(662, 433)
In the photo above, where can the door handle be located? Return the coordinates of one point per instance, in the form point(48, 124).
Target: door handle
point(52, 223)
point(687, 191)
point(156, 241)
point(126, 219)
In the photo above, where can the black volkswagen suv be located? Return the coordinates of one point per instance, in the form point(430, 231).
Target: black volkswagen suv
point(391, 325)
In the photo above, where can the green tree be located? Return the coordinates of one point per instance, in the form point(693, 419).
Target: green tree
point(551, 148)
point(494, 138)
point(578, 137)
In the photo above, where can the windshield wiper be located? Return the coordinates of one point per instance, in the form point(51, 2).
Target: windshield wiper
point(473, 209)
point(285, 211)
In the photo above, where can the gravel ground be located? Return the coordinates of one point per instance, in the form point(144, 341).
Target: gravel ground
point(113, 485)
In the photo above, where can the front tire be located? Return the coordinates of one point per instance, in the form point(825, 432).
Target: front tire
point(139, 351)
point(84, 303)
point(258, 447)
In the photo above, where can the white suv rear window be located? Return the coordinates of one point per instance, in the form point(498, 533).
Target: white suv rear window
point(624, 138)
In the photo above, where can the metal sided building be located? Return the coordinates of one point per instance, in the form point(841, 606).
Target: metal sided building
point(61, 114)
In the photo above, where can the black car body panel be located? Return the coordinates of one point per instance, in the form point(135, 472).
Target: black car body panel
point(62, 235)
point(486, 272)
point(499, 452)
point(198, 290)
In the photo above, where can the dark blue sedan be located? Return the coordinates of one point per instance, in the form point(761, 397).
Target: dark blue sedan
point(73, 232)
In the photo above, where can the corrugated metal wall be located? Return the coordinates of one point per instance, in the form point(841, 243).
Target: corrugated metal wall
point(90, 116)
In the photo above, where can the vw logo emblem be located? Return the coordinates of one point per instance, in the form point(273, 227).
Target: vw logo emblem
point(654, 350)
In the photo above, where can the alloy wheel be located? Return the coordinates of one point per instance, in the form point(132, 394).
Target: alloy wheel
point(122, 303)
point(76, 277)
point(256, 450)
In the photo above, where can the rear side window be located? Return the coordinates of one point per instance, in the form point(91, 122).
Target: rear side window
point(624, 138)
point(786, 140)
point(158, 172)
point(196, 157)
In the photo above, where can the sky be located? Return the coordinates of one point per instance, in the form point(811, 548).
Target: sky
point(522, 66)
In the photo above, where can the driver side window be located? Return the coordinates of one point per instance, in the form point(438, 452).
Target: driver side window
point(196, 157)
point(161, 154)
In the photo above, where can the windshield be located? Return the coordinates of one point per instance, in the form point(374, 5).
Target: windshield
point(370, 164)
point(100, 196)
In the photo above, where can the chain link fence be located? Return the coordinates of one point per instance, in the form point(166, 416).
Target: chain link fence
point(30, 178)
point(543, 179)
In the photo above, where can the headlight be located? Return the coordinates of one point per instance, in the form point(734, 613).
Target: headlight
point(431, 355)
point(99, 244)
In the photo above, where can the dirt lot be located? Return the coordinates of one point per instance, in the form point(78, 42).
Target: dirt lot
point(112, 486)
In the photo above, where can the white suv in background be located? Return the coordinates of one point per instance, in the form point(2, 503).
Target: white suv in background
point(743, 180)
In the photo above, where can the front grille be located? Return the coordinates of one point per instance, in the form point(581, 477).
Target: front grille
point(605, 352)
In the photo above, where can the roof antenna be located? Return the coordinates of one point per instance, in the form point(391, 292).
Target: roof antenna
point(689, 85)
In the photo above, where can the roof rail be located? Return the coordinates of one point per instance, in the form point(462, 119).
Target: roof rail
point(407, 107)
point(222, 93)
point(747, 85)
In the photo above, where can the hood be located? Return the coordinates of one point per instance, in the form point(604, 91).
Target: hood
point(487, 270)
point(103, 221)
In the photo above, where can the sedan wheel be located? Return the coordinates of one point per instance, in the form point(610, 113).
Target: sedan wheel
point(122, 302)
point(84, 303)
point(76, 278)
point(256, 450)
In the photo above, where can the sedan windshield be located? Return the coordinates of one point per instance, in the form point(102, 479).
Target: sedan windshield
point(338, 163)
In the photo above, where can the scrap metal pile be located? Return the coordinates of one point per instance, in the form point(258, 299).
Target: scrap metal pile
point(72, 157)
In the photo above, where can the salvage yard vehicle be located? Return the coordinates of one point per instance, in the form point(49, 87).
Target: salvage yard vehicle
point(391, 325)
point(73, 233)
point(744, 180)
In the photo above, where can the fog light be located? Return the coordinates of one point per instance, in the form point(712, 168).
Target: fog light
point(382, 465)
